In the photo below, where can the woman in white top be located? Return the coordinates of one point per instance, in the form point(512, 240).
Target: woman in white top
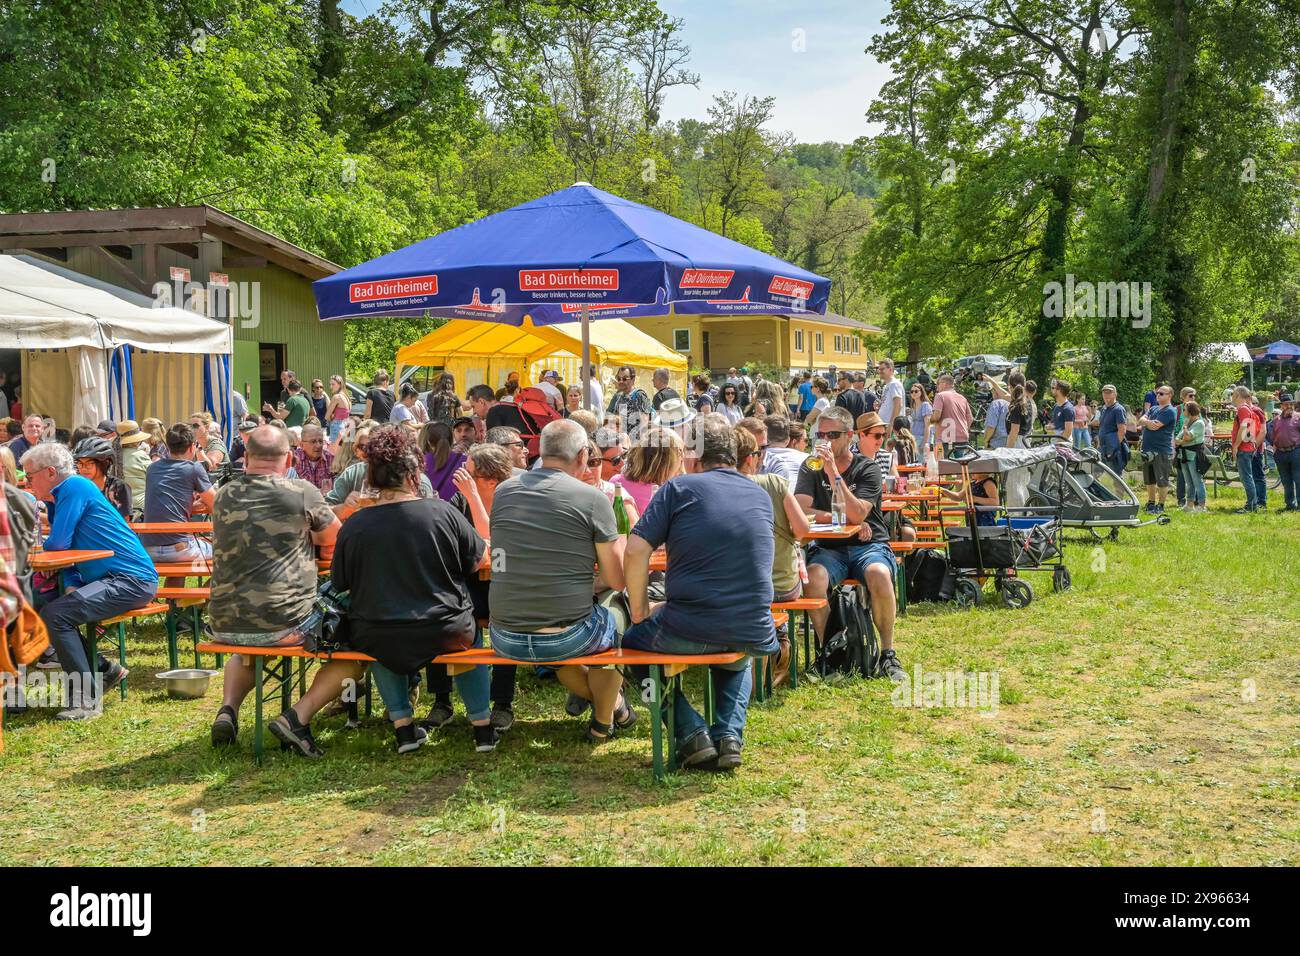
point(822, 389)
point(409, 409)
point(729, 404)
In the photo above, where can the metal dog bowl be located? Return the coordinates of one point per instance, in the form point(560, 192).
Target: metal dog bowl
point(188, 683)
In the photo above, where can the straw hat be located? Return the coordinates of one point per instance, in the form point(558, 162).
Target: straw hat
point(673, 413)
point(868, 420)
point(129, 433)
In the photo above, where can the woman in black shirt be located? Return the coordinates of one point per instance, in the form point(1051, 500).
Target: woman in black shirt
point(406, 561)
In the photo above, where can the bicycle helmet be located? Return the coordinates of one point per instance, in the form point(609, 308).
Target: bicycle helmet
point(94, 448)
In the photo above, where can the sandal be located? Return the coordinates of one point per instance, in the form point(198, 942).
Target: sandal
point(624, 715)
point(225, 729)
point(598, 733)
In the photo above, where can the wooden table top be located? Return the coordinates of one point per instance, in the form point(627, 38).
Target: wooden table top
point(54, 560)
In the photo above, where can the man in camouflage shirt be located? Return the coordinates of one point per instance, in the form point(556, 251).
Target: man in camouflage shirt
point(265, 528)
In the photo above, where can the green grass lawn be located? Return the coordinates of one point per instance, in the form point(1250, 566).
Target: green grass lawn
point(1147, 717)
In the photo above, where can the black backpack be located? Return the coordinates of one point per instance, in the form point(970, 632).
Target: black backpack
point(929, 577)
point(850, 646)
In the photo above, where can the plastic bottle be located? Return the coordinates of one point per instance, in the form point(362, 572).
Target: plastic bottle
point(931, 467)
point(620, 511)
point(838, 504)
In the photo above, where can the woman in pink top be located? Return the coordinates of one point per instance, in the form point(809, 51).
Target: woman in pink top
point(1082, 437)
point(656, 457)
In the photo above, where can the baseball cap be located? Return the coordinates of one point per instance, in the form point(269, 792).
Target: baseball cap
point(107, 427)
point(1286, 397)
point(462, 420)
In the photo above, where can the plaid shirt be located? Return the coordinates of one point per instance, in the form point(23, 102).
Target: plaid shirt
point(318, 471)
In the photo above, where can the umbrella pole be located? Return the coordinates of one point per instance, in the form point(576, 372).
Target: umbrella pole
point(586, 359)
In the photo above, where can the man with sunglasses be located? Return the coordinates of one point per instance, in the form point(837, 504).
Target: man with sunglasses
point(867, 558)
point(613, 448)
point(630, 404)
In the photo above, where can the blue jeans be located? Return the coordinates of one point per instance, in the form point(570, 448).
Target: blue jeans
point(1288, 469)
point(110, 596)
point(1246, 472)
point(853, 561)
point(1081, 437)
point(1261, 487)
point(732, 683)
point(1190, 479)
point(472, 686)
point(590, 636)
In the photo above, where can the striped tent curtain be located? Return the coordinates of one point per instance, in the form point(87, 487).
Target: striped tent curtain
point(216, 394)
point(121, 385)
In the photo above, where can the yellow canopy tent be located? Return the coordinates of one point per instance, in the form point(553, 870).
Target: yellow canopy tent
point(479, 353)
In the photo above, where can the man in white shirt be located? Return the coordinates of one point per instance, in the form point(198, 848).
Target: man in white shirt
point(892, 402)
point(596, 393)
point(548, 385)
point(781, 459)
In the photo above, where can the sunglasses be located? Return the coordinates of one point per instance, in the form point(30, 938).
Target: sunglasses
point(617, 460)
point(831, 436)
point(623, 378)
point(511, 444)
point(362, 445)
point(873, 434)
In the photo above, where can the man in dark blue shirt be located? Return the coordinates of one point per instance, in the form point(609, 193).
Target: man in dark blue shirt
point(1111, 434)
point(33, 429)
point(717, 526)
point(85, 520)
point(1158, 448)
point(1062, 411)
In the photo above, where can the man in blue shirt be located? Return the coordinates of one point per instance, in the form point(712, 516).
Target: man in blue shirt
point(717, 525)
point(806, 397)
point(33, 430)
point(1111, 434)
point(1062, 411)
point(1158, 448)
point(85, 520)
point(995, 423)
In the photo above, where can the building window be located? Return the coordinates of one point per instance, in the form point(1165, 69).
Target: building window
point(798, 340)
point(817, 340)
point(682, 340)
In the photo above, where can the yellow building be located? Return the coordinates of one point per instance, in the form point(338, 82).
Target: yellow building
point(719, 342)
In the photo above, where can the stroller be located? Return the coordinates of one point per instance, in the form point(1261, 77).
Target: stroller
point(1025, 537)
point(1090, 495)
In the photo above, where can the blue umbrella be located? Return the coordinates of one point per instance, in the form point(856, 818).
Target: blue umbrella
point(572, 254)
point(1279, 351)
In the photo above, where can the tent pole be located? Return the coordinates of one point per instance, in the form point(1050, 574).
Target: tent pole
point(586, 358)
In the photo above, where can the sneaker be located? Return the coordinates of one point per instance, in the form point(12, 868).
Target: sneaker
point(115, 676)
point(79, 713)
point(1150, 508)
point(576, 706)
point(889, 666)
point(1243, 511)
point(439, 716)
point(410, 738)
point(1160, 509)
point(225, 729)
point(698, 752)
point(485, 739)
point(290, 731)
point(503, 718)
point(729, 753)
point(48, 661)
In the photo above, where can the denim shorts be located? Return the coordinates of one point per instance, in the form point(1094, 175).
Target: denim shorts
point(853, 561)
point(591, 636)
point(293, 636)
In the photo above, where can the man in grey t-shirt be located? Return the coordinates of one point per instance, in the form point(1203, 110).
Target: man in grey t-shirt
point(549, 532)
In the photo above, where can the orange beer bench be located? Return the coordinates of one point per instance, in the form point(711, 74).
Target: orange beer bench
point(271, 674)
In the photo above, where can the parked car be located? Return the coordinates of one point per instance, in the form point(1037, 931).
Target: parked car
point(988, 363)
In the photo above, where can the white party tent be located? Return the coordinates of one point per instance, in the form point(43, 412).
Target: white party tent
point(91, 350)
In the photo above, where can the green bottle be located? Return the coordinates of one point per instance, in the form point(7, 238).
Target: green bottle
point(620, 512)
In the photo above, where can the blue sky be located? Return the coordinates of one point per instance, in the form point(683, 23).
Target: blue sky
point(746, 46)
